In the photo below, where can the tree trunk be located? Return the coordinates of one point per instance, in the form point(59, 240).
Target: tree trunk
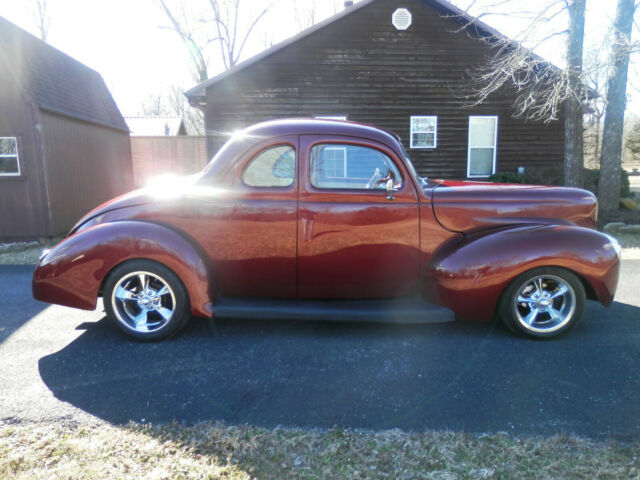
point(611, 156)
point(573, 123)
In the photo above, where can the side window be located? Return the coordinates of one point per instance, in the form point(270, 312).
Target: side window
point(483, 135)
point(351, 167)
point(9, 161)
point(273, 167)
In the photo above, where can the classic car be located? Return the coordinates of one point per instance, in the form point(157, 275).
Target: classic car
point(322, 219)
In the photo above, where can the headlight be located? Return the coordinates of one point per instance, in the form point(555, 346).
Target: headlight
point(615, 244)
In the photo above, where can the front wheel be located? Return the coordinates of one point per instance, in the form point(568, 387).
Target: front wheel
point(146, 300)
point(543, 302)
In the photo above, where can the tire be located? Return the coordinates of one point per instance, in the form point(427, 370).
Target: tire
point(153, 313)
point(552, 302)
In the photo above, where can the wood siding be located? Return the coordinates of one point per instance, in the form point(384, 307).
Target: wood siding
point(360, 65)
point(86, 165)
point(153, 156)
point(23, 200)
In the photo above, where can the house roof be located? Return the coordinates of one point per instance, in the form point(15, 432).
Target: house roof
point(155, 126)
point(448, 8)
point(57, 82)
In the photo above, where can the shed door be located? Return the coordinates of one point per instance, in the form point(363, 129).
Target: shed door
point(354, 242)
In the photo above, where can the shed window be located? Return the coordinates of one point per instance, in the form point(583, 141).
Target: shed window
point(273, 167)
point(424, 132)
point(351, 167)
point(483, 135)
point(9, 161)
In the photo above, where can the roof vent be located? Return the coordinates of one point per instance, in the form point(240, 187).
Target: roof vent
point(348, 3)
point(401, 19)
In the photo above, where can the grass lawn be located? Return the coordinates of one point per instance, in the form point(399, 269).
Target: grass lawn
point(213, 451)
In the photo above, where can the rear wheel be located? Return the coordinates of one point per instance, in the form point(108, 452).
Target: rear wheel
point(146, 300)
point(543, 302)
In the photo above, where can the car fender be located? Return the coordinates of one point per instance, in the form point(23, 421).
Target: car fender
point(469, 275)
point(72, 273)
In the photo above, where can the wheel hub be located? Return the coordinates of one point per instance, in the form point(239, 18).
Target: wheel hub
point(146, 291)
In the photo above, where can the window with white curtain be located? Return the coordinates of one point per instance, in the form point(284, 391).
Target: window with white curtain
point(483, 136)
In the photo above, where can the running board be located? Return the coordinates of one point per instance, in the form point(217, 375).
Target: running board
point(383, 311)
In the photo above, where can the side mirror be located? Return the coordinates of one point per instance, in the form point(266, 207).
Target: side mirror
point(390, 189)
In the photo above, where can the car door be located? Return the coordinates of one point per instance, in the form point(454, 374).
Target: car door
point(251, 235)
point(355, 241)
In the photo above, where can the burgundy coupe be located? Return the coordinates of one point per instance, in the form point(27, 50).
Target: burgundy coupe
point(321, 219)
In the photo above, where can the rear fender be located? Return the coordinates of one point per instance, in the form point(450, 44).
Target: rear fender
point(72, 273)
point(470, 275)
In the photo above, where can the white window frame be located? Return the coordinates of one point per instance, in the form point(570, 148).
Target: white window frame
point(411, 132)
point(344, 159)
point(332, 117)
point(17, 157)
point(494, 146)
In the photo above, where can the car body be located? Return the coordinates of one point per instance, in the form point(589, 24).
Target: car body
point(307, 218)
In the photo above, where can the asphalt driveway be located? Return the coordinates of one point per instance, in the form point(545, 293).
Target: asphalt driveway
point(62, 363)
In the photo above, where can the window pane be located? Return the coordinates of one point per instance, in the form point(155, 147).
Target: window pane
point(274, 167)
point(423, 132)
point(481, 161)
point(482, 131)
point(351, 167)
point(8, 146)
point(9, 166)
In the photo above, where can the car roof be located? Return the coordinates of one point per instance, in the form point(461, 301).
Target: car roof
point(317, 126)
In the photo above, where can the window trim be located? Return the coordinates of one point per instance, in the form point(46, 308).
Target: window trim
point(17, 157)
point(494, 146)
point(435, 133)
point(260, 151)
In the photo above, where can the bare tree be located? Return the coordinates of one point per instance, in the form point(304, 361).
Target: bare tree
point(173, 103)
point(231, 38)
point(543, 92)
point(574, 117)
point(610, 160)
point(595, 72)
point(153, 105)
point(43, 18)
point(193, 33)
point(304, 14)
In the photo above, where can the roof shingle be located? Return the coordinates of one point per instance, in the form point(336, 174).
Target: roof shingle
point(56, 81)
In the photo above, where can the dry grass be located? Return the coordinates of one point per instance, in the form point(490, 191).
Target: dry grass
point(51, 450)
point(24, 253)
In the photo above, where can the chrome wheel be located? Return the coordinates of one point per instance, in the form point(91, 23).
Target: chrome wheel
point(545, 303)
point(143, 302)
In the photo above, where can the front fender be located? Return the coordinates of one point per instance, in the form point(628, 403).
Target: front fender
point(71, 273)
point(469, 276)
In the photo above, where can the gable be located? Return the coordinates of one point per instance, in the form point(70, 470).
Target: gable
point(57, 82)
point(324, 31)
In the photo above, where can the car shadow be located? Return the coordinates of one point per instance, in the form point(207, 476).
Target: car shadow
point(457, 376)
point(16, 307)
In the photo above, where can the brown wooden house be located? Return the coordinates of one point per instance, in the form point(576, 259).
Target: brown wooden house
point(64, 146)
point(401, 65)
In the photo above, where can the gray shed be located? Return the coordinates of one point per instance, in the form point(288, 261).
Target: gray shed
point(64, 145)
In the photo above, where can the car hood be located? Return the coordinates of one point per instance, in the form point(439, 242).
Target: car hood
point(468, 206)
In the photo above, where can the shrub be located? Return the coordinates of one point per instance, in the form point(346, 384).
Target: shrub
point(554, 176)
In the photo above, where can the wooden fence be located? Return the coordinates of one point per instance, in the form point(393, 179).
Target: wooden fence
point(153, 156)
